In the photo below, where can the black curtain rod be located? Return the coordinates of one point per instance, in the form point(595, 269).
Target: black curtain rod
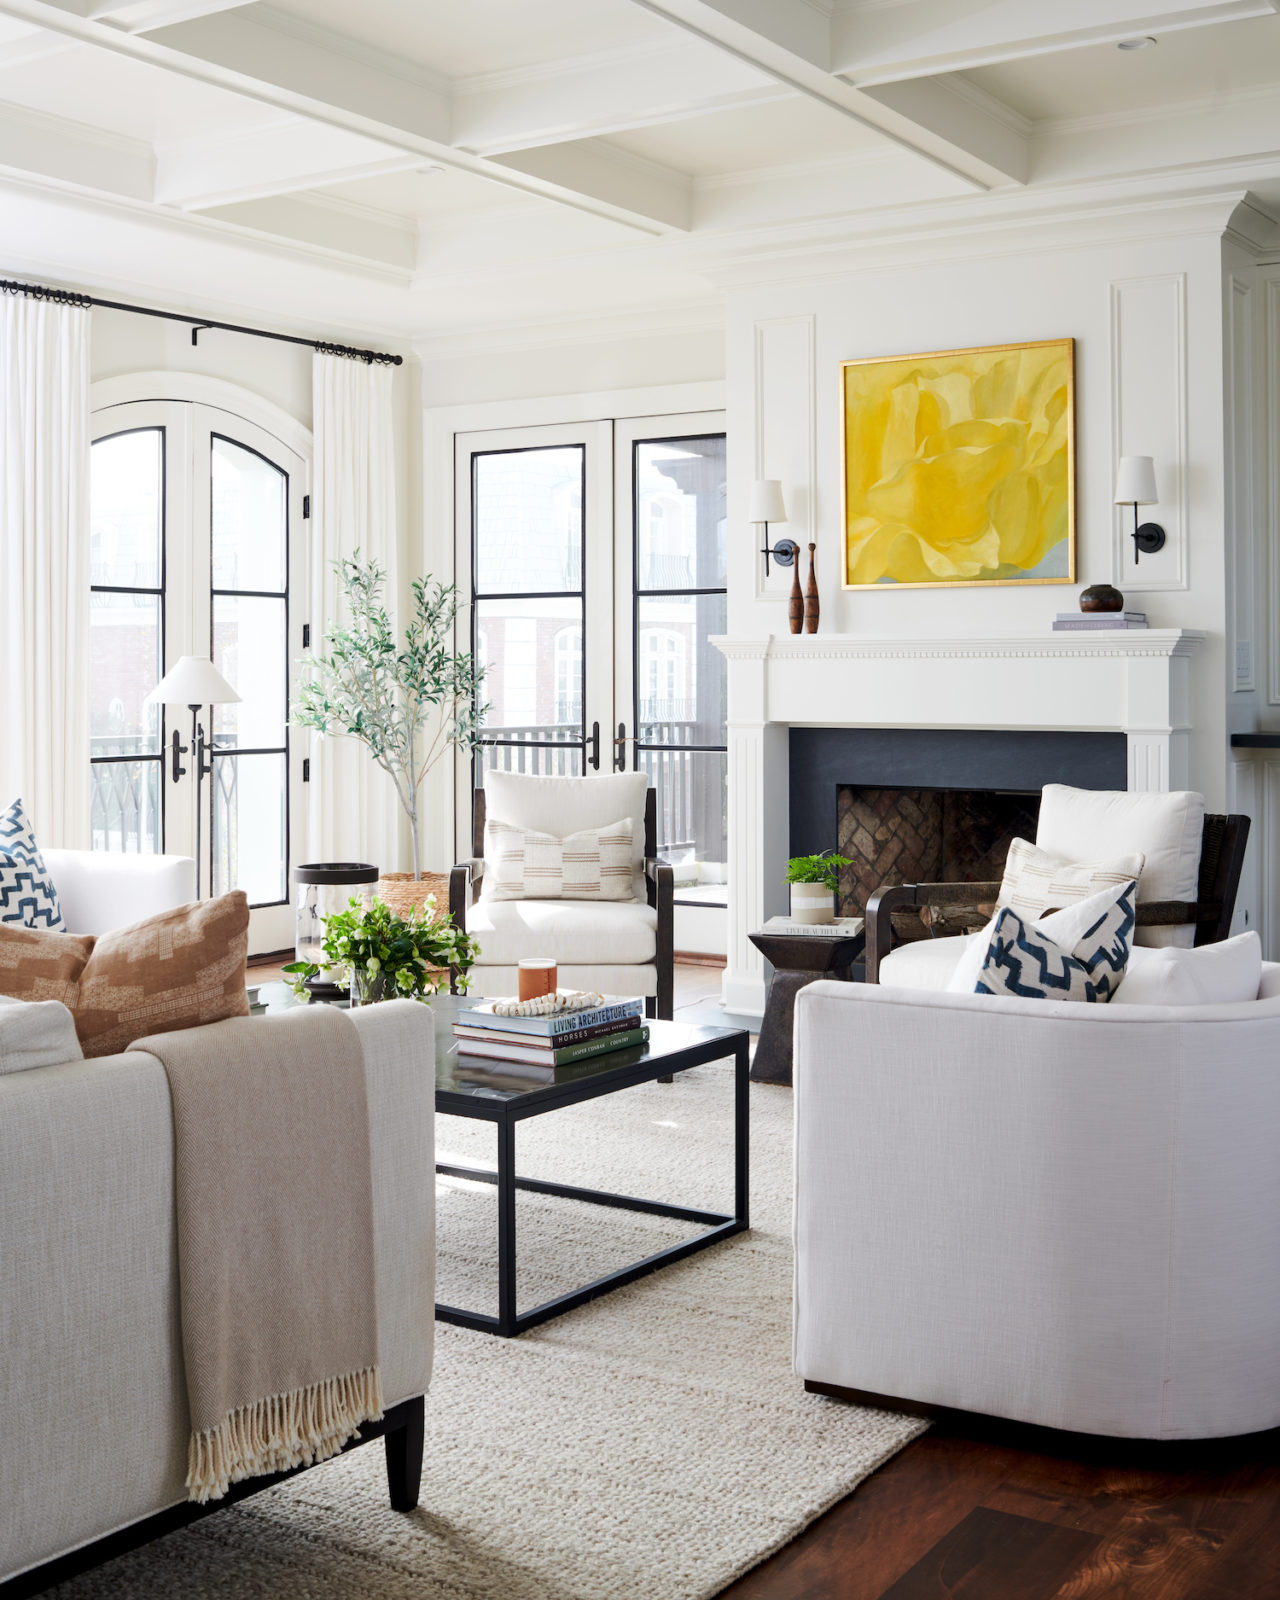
point(69, 297)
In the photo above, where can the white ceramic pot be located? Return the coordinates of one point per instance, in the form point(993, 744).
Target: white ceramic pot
point(812, 902)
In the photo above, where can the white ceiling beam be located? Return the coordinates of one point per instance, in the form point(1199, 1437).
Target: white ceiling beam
point(921, 38)
point(677, 79)
point(296, 155)
point(326, 85)
point(39, 145)
point(936, 132)
point(587, 166)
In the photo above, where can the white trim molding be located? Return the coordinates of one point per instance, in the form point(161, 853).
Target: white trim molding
point(1137, 683)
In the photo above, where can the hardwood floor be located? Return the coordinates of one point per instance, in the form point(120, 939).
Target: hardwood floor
point(980, 1510)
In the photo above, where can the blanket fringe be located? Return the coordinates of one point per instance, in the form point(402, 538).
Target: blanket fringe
point(282, 1431)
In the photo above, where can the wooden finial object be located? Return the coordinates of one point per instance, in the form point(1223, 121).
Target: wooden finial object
point(810, 597)
point(795, 609)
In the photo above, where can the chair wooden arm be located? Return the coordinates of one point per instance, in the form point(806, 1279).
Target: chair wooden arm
point(465, 876)
point(1177, 913)
point(891, 897)
point(660, 884)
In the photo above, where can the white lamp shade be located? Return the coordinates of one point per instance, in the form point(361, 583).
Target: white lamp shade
point(192, 681)
point(1136, 481)
point(766, 501)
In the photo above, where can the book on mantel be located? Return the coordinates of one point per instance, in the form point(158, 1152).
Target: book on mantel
point(1096, 621)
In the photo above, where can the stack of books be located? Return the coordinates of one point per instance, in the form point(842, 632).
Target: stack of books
point(1085, 621)
point(554, 1041)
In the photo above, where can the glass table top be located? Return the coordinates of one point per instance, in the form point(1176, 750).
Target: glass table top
point(481, 1079)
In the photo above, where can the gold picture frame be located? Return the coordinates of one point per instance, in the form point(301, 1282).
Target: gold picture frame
point(957, 467)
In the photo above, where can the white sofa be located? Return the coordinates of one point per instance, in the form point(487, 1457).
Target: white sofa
point(104, 889)
point(93, 1408)
point(1065, 1214)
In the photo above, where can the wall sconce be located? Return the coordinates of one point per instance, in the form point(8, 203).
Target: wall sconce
point(766, 507)
point(1136, 486)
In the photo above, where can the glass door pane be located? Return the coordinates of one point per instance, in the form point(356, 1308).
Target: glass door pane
point(126, 639)
point(527, 546)
point(678, 562)
point(249, 625)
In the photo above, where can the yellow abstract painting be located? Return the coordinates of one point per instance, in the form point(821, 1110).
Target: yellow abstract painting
point(959, 467)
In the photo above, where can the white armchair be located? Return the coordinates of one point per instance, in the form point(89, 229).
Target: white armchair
point(1065, 1214)
point(618, 946)
point(104, 889)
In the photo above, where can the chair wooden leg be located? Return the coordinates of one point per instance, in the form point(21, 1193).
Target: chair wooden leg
point(404, 1458)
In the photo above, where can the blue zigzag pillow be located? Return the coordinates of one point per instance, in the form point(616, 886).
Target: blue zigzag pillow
point(27, 894)
point(1023, 960)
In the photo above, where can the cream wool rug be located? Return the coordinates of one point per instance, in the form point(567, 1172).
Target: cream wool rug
point(652, 1445)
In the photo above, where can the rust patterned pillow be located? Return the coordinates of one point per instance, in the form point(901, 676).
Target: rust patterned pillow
point(178, 970)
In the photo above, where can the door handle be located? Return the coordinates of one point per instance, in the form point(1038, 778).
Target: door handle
point(620, 748)
point(179, 750)
point(593, 755)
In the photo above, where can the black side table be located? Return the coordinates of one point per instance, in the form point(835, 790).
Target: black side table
point(798, 959)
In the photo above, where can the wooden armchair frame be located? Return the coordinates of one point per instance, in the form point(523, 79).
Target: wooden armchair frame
point(466, 877)
point(1221, 860)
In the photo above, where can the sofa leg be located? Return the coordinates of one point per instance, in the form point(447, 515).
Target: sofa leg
point(404, 1458)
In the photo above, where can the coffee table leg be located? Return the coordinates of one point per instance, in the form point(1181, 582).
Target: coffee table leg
point(506, 1228)
point(741, 1131)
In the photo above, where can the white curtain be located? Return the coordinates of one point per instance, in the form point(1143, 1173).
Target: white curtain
point(353, 811)
point(44, 566)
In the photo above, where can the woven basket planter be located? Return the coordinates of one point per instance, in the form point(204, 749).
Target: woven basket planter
point(403, 893)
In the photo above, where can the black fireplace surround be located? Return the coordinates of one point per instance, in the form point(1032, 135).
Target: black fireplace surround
point(822, 760)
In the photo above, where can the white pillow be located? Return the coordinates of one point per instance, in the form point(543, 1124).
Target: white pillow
point(560, 806)
point(1024, 962)
point(1223, 974)
point(1037, 880)
point(523, 864)
point(36, 1033)
point(1166, 827)
point(1065, 927)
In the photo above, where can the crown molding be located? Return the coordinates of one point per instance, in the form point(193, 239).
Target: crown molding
point(967, 227)
point(546, 333)
point(50, 123)
point(1169, 111)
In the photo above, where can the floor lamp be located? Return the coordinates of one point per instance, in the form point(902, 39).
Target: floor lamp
point(195, 682)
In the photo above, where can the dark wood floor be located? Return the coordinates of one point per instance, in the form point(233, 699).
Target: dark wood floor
point(979, 1510)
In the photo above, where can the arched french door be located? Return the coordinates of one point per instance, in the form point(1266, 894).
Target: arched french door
point(197, 519)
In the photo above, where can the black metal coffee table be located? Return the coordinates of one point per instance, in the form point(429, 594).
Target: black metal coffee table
point(466, 1087)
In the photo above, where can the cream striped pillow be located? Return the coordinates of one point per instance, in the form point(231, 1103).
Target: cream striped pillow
point(594, 864)
point(1036, 882)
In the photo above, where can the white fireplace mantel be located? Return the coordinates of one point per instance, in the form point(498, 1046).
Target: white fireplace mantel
point(1136, 682)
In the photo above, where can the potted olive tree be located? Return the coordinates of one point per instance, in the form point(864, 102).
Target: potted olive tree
point(407, 701)
point(813, 881)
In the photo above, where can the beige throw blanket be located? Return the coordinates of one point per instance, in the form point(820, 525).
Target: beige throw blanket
point(275, 1241)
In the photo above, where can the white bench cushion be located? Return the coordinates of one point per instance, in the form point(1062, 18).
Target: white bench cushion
point(573, 932)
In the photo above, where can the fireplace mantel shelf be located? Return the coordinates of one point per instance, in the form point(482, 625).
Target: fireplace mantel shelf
point(872, 647)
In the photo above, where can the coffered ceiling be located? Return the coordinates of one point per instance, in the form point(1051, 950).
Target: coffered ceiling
point(412, 167)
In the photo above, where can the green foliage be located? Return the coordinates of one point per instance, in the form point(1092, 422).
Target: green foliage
point(406, 702)
point(401, 951)
point(817, 869)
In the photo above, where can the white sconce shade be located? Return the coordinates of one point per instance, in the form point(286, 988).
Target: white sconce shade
point(1136, 481)
point(192, 681)
point(766, 501)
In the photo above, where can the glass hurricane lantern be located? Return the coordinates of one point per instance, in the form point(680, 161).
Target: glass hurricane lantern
point(320, 889)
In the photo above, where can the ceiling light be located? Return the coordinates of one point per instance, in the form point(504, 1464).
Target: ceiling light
point(1144, 43)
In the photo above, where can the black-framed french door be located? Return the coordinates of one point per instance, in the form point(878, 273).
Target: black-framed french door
point(197, 519)
point(595, 555)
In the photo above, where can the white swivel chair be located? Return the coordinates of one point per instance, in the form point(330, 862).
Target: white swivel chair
point(1065, 1214)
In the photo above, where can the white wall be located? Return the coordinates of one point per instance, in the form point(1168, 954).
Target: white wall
point(1146, 315)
